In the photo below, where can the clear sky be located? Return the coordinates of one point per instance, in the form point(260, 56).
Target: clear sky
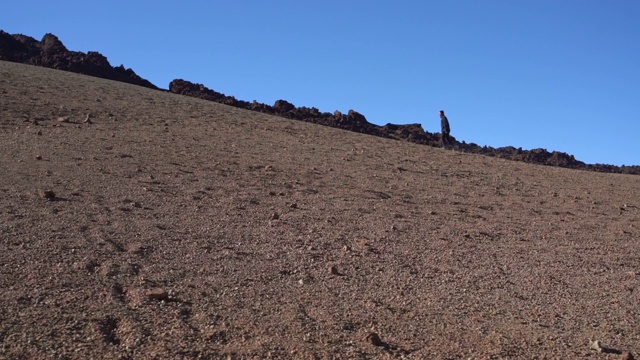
point(556, 74)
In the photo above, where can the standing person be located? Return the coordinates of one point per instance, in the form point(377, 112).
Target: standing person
point(444, 124)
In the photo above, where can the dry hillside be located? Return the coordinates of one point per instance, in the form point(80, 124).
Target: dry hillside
point(139, 224)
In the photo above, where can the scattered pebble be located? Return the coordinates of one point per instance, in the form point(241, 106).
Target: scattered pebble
point(334, 270)
point(157, 294)
point(49, 195)
point(38, 157)
point(595, 345)
point(627, 356)
point(374, 339)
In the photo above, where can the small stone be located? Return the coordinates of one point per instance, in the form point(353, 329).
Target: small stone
point(595, 345)
point(275, 216)
point(117, 292)
point(293, 206)
point(38, 157)
point(334, 270)
point(157, 294)
point(49, 195)
point(627, 356)
point(374, 339)
point(64, 119)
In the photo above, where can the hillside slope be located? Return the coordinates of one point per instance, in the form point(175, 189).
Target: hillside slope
point(140, 224)
point(51, 52)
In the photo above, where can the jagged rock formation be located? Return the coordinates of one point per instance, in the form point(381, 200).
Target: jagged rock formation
point(51, 52)
point(355, 121)
point(352, 121)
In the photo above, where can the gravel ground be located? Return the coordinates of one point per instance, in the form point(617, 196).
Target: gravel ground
point(139, 224)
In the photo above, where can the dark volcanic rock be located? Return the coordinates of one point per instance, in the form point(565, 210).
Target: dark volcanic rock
point(14, 48)
point(355, 121)
point(282, 106)
point(51, 44)
point(51, 52)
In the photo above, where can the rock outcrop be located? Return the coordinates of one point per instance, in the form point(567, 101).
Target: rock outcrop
point(50, 52)
point(354, 121)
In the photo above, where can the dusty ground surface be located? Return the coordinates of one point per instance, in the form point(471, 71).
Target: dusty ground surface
point(170, 227)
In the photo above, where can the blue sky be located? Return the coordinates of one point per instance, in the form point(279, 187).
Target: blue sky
point(556, 74)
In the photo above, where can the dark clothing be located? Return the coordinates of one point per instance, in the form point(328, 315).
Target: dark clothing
point(444, 124)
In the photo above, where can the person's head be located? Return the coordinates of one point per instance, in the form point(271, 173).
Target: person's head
point(441, 112)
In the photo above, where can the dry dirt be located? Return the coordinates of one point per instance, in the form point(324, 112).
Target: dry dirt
point(168, 227)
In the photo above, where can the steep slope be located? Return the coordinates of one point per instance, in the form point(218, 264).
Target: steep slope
point(142, 224)
point(51, 52)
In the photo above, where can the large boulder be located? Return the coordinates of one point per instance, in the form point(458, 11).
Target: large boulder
point(282, 106)
point(51, 44)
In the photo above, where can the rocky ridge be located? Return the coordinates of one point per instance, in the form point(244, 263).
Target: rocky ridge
point(51, 52)
point(354, 121)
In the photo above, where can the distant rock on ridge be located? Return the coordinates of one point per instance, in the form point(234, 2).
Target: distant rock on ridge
point(50, 52)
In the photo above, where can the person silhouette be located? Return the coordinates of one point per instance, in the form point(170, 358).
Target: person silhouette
point(444, 124)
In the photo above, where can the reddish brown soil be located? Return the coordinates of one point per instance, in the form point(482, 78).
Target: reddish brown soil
point(179, 228)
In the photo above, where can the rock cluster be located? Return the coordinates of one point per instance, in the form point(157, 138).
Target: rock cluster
point(50, 52)
point(354, 121)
